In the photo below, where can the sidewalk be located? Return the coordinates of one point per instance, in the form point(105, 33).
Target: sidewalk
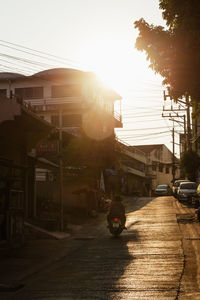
point(18, 264)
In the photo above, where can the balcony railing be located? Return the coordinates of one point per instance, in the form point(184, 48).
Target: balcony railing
point(117, 116)
point(133, 171)
point(54, 101)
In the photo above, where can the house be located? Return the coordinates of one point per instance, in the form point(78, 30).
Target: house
point(129, 176)
point(69, 99)
point(75, 102)
point(133, 162)
point(160, 163)
point(20, 130)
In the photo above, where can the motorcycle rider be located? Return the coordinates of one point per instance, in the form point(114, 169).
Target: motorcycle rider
point(117, 210)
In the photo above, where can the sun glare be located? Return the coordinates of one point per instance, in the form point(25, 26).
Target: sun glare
point(118, 70)
point(126, 71)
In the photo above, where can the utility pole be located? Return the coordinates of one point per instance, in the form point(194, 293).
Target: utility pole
point(185, 134)
point(176, 107)
point(195, 126)
point(173, 157)
point(61, 169)
point(188, 123)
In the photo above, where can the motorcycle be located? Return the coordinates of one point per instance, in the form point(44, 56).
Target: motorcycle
point(115, 226)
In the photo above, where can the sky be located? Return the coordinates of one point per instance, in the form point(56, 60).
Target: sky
point(91, 35)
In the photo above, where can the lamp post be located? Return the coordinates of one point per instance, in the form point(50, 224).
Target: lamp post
point(61, 169)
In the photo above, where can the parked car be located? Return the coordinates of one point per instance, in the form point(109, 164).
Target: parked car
point(163, 190)
point(196, 199)
point(177, 184)
point(187, 190)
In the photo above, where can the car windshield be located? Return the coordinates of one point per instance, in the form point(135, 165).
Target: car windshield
point(162, 186)
point(176, 184)
point(188, 186)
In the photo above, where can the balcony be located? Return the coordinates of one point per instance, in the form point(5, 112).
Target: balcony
point(53, 104)
point(118, 120)
point(133, 171)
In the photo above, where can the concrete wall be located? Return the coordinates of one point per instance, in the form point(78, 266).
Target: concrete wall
point(162, 157)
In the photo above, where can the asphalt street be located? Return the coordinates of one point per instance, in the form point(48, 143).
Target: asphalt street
point(157, 257)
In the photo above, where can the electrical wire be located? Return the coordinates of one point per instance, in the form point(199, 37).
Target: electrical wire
point(151, 86)
point(149, 134)
point(42, 55)
point(41, 52)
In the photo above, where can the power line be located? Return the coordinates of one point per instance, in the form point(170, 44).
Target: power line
point(41, 64)
point(53, 58)
point(41, 52)
point(11, 69)
point(138, 139)
point(149, 134)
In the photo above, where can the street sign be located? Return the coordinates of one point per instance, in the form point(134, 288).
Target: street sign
point(47, 148)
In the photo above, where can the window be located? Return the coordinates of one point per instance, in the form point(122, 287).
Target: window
point(188, 186)
point(153, 166)
point(29, 93)
point(61, 91)
point(160, 168)
point(74, 120)
point(3, 92)
point(167, 170)
point(55, 120)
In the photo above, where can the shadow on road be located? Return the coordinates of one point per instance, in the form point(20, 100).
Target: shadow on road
point(96, 272)
point(187, 204)
point(139, 202)
point(96, 269)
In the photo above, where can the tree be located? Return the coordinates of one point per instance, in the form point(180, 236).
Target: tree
point(190, 162)
point(174, 52)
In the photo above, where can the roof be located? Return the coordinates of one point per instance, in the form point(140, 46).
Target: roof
point(12, 111)
point(148, 148)
point(46, 162)
point(59, 73)
point(20, 127)
point(46, 74)
point(10, 76)
point(64, 74)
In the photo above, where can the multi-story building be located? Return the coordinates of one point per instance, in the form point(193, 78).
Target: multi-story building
point(20, 130)
point(160, 164)
point(67, 98)
point(74, 101)
point(132, 163)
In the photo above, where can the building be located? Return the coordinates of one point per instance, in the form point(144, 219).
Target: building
point(69, 99)
point(76, 103)
point(160, 164)
point(20, 130)
point(131, 166)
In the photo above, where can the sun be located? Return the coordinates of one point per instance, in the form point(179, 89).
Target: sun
point(117, 65)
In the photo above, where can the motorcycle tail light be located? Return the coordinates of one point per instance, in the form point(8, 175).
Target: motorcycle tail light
point(115, 219)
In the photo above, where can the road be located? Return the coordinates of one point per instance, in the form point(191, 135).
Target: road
point(158, 257)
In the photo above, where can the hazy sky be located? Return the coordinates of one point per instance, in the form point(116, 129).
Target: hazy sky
point(95, 35)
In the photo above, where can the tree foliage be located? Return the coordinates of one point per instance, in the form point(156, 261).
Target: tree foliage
point(190, 162)
point(173, 51)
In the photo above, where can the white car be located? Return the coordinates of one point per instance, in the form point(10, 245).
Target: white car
point(177, 184)
point(187, 190)
point(163, 190)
